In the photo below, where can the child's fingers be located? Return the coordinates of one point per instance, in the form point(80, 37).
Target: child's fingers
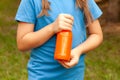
point(69, 16)
point(63, 64)
point(72, 63)
point(69, 21)
point(68, 25)
point(66, 28)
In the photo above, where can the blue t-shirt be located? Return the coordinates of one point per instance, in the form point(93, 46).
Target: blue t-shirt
point(42, 65)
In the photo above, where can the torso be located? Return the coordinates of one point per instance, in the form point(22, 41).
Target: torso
point(42, 58)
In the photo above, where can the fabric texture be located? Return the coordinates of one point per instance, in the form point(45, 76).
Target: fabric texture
point(42, 65)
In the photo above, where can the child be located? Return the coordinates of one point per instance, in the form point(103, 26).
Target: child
point(40, 20)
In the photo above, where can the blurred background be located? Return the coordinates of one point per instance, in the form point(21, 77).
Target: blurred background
point(102, 63)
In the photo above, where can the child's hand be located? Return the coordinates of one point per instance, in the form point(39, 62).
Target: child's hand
point(74, 60)
point(63, 22)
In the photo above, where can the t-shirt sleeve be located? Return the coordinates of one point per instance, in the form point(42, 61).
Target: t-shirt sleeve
point(26, 12)
point(94, 9)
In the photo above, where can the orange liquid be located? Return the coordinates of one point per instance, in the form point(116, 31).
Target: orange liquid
point(63, 45)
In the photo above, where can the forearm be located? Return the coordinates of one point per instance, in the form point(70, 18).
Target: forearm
point(27, 38)
point(91, 43)
point(35, 39)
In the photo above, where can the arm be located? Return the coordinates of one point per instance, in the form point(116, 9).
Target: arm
point(94, 40)
point(27, 38)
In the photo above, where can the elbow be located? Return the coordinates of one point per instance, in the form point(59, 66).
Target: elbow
point(23, 45)
point(21, 48)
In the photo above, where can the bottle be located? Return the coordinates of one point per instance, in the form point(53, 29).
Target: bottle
point(63, 45)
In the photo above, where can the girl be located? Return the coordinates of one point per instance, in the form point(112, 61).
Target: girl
point(40, 20)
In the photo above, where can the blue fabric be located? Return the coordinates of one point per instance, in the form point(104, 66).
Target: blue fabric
point(42, 65)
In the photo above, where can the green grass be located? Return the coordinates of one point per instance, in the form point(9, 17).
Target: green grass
point(12, 62)
point(101, 64)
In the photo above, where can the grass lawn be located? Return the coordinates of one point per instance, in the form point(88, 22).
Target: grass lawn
point(101, 64)
point(104, 62)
